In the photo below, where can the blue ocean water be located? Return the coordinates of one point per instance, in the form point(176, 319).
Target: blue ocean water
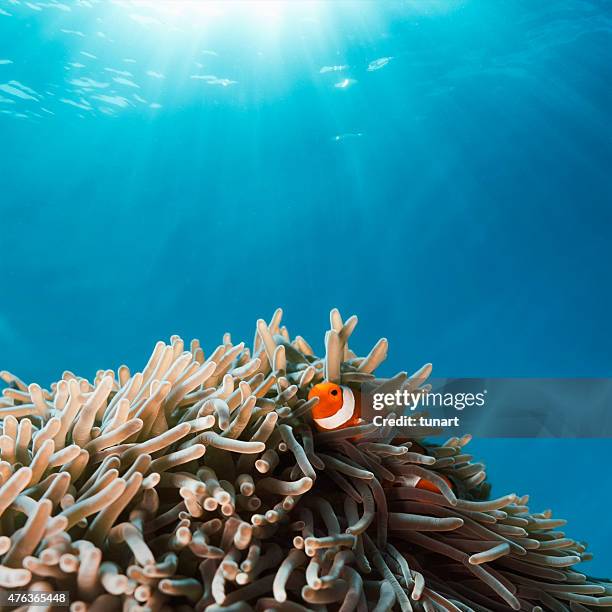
point(441, 169)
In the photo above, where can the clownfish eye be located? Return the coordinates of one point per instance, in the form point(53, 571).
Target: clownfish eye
point(334, 391)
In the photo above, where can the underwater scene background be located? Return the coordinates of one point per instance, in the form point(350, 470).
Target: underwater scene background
point(440, 169)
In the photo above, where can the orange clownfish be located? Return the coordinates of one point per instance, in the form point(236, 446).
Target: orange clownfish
point(427, 485)
point(338, 406)
point(422, 483)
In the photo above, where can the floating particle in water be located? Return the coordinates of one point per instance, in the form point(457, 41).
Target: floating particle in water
point(339, 68)
point(89, 55)
point(124, 73)
point(88, 83)
point(211, 79)
point(347, 136)
point(155, 75)
point(15, 114)
point(76, 65)
point(155, 105)
point(129, 60)
point(114, 100)
point(126, 82)
point(56, 5)
point(345, 83)
point(73, 32)
point(210, 52)
point(4, 62)
point(5, 13)
point(379, 63)
point(82, 103)
point(18, 90)
point(222, 82)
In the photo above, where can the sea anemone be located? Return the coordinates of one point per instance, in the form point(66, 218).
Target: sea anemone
point(201, 484)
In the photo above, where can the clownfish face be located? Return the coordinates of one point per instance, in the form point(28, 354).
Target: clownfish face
point(337, 406)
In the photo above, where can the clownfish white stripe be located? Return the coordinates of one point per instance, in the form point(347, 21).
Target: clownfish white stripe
point(343, 415)
point(410, 481)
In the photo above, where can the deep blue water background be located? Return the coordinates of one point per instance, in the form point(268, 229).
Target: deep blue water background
point(457, 199)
